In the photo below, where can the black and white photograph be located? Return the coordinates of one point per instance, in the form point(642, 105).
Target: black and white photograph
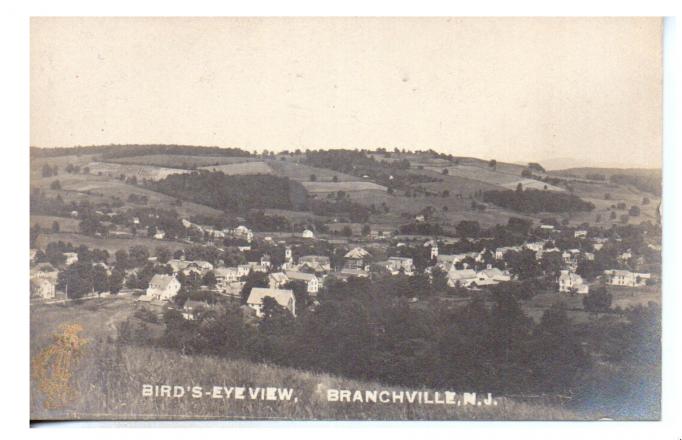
point(346, 219)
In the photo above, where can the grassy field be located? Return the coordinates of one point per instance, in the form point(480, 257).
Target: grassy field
point(179, 160)
point(140, 171)
point(103, 189)
point(623, 297)
point(326, 187)
point(301, 172)
point(66, 224)
point(106, 381)
point(241, 168)
point(110, 244)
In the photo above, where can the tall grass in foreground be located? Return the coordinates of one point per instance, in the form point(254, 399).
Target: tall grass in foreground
point(108, 385)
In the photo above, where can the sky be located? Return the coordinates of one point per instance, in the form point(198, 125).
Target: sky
point(586, 90)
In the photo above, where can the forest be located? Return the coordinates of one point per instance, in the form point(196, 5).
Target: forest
point(533, 201)
point(234, 193)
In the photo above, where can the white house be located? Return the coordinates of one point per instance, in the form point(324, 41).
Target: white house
point(580, 234)
point(355, 258)
point(188, 266)
point(626, 278)
point(318, 263)
point(71, 257)
point(307, 234)
point(277, 280)
point(225, 276)
point(312, 282)
point(462, 278)
point(572, 282)
point(492, 275)
point(395, 264)
point(163, 287)
point(242, 232)
point(265, 262)
point(43, 288)
point(283, 297)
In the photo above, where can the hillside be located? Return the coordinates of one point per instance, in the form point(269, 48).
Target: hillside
point(395, 186)
point(109, 378)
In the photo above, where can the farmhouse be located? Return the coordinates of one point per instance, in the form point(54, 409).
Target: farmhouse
point(572, 282)
point(163, 287)
point(396, 264)
point(355, 258)
point(312, 282)
point(277, 280)
point(226, 274)
point(43, 288)
point(307, 234)
point(318, 263)
point(188, 266)
point(243, 232)
point(232, 289)
point(283, 297)
point(626, 278)
point(265, 262)
point(461, 278)
point(492, 275)
point(501, 251)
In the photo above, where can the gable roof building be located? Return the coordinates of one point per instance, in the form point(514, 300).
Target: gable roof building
point(312, 282)
point(163, 287)
point(283, 297)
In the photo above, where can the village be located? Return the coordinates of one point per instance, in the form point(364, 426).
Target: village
point(293, 269)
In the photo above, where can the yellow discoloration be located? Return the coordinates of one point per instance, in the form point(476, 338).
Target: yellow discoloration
point(53, 366)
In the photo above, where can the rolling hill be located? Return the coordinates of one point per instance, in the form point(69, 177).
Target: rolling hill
point(397, 186)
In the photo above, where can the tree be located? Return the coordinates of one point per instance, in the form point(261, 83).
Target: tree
point(468, 228)
point(55, 226)
point(116, 280)
point(253, 279)
point(439, 280)
point(519, 187)
point(163, 254)
point(445, 172)
point(151, 231)
point(335, 178)
point(598, 300)
point(76, 280)
point(209, 279)
point(347, 231)
point(634, 211)
point(33, 236)
point(445, 193)
point(138, 256)
point(366, 229)
point(313, 178)
point(55, 185)
point(122, 259)
point(612, 216)
point(47, 171)
point(100, 279)
point(300, 289)
point(90, 225)
point(492, 164)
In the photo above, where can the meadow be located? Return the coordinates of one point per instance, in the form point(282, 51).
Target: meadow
point(106, 381)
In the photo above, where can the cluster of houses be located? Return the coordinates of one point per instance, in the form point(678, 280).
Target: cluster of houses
point(313, 270)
